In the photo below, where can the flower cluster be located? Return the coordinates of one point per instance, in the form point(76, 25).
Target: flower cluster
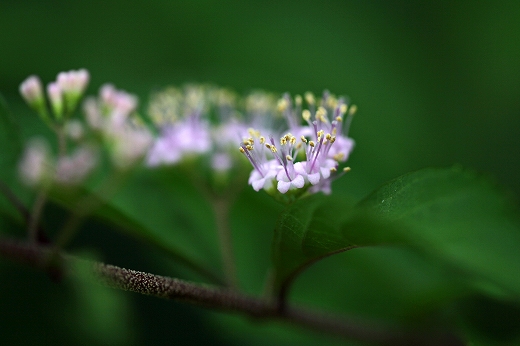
point(109, 123)
point(205, 120)
point(307, 156)
point(295, 145)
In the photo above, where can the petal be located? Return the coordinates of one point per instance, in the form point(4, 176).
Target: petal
point(298, 181)
point(258, 184)
point(283, 186)
point(314, 178)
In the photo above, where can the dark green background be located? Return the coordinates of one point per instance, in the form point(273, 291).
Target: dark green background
point(436, 83)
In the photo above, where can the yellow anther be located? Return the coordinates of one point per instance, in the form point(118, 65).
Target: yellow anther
point(333, 169)
point(289, 157)
point(334, 131)
point(304, 140)
point(283, 141)
point(249, 147)
point(252, 132)
point(282, 105)
point(339, 157)
point(320, 134)
point(332, 102)
point(293, 140)
point(262, 139)
point(321, 115)
point(343, 108)
point(298, 146)
point(298, 100)
point(328, 136)
point(242, 150)
point(333, 139)
point(312, 144)
point(346, 169)
point(339, 119)
point(352, 110)
point(306, 114)
point(309, 97)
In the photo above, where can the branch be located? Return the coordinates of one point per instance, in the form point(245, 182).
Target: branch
point(232, 301)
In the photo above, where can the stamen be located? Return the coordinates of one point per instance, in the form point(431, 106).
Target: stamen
point(282, 105)
point(306, 115)
point(309, 97)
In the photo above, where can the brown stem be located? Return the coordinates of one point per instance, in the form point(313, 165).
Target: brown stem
point(233, 301)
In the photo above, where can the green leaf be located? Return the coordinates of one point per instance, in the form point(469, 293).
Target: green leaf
point(307, 231)
point(10, 143)
point(10, 149)
point(104, 315)
point(452, 216)
point(160, 208)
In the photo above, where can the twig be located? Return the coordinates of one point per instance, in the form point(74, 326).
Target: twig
point(233, 301)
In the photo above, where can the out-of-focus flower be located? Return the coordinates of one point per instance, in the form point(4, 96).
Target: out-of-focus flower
point(38, 167)
point(129, 145)
point(112, 116)
point(56, 98)
point(35, 166)
point(31, 90)
point(74, 129)
point(73, 169)
point(64, 93)
point(72, 84)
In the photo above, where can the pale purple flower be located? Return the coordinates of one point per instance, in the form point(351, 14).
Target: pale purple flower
point(263, 177)
point(189, 137)
point(117, 103)
point(322, 143)
point(292, 178)
point(74, 168)
point(34, 167)
point(129, 145)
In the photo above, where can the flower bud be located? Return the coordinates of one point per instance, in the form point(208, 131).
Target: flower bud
point(31, 90)
point(56, 98)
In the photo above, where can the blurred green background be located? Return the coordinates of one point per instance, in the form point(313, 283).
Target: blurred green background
point(436, 83)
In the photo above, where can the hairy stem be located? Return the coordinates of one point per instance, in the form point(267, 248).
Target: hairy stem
point(233, 301)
